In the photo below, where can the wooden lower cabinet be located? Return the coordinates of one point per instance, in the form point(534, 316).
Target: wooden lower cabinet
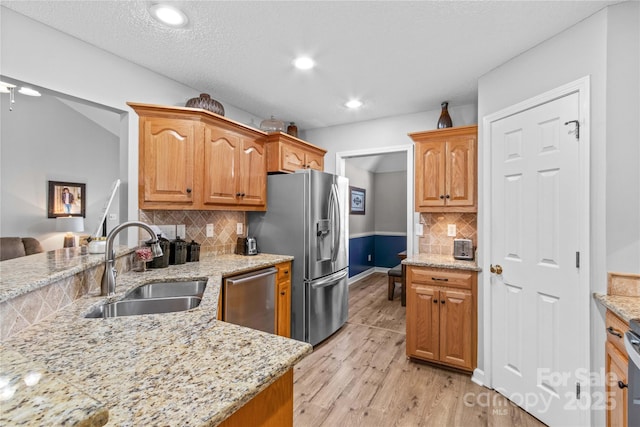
point(616, 363)
point(273, 407)
point(283, 299)
point(441, 316)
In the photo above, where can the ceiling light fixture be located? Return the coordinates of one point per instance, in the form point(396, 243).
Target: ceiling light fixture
point(4, 87)
point(28, 91)
point(353, 104)
point(169, 15)
point(304, 63)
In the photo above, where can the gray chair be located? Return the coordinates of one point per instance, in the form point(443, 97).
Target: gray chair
point(395, 275)
point(15, 247)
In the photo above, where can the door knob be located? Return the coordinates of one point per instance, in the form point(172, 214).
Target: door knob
point(497, 269)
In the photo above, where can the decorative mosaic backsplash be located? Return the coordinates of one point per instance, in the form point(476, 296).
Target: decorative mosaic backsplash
point(434, 239)
point(224, 227)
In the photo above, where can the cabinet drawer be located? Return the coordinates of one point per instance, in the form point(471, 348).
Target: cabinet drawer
point(284, 271)
point(616, 327)
point(442, 277)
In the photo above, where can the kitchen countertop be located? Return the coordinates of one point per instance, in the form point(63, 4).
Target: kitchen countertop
point(184, 368)
point(625, 307)
point(440, 261)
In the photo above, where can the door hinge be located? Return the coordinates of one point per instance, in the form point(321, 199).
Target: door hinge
point(577, 259)
point(578, 391)
point(577, 131)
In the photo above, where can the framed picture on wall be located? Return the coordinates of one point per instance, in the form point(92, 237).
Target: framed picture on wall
point(66, 199)
point(357, 200)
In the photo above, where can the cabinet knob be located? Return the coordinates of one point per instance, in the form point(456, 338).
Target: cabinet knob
point(622, 385)
point(442, 196)
point(497, 269)
point(286, 272)
point(237, 194)
point(188, 190)
point(242, 195)
point(282, 293)
point(435, 301)
point(447, 196)
point(441, 301)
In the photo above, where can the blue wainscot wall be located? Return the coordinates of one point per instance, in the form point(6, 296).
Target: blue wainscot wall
point(382, 248)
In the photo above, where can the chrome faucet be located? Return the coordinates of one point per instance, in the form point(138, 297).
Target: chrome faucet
point(108, 285)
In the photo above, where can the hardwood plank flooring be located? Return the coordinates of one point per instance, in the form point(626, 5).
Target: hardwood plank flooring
point(361, 376)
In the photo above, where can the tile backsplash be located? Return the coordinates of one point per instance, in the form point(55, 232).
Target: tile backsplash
point(434, 239)
point(224, 227)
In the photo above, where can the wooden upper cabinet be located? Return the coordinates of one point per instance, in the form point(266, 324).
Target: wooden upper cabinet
point(167, 159)
point(195, 159)
point(445, 170)
point(288, 154)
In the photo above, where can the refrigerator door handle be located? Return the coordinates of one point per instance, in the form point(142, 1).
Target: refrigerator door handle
point(335, 249)
point(333, 279)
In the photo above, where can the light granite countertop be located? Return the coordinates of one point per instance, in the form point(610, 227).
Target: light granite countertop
point(440, 261)
point(625, 307)
point(184, 368)
point(22, 275)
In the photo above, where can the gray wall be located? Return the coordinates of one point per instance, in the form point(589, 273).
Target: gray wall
point(362, 224)
point(45, 139)
point(390, 202)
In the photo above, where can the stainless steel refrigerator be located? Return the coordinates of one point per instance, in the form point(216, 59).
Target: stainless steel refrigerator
point(307, 217)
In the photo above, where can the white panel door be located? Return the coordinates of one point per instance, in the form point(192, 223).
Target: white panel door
point(534, 239)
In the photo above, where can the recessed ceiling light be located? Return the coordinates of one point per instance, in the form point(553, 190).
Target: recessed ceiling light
point(169, 15)
point(28, 91)
point(304, 63)
point(353, 104)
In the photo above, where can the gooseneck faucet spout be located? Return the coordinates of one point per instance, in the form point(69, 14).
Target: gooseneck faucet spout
point(108, 285)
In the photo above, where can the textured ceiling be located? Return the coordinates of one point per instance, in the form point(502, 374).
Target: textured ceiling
point(398, 57)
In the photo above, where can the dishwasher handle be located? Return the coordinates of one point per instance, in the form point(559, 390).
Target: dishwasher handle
point(249, 277)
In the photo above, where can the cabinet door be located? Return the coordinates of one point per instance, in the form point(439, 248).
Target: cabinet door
point(460, 171)
point(283, 298)
point(430, 174)
point(293, 158)
point(314, 161)
point(167, 160)
point(456, 328)
point(252, 173)
point(283, 327)
point(422, 322)
point(220, 184)
point(616, 369)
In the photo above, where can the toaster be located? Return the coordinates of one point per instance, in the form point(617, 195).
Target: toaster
point(463, 249)
point(246, 246)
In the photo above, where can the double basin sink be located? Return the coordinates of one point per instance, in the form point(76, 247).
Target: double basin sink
point(153, 298)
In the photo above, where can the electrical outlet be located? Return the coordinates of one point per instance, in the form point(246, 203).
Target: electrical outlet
point(168, 231)
point(181, 230)
point(369, 257)
point(451, 230)
point(113, 217)
point(209, 230)
point(419, 230)
point(239, 227)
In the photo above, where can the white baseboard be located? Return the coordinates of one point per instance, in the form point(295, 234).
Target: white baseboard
point(479, 378)
point(368, 273)
point(362, 275)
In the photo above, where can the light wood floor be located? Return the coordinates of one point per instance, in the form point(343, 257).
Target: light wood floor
point(361, 376)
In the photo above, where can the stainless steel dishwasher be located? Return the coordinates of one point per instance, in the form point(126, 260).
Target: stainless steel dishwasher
point(250, 300)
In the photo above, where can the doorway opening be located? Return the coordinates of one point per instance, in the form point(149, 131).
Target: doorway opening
point(381, 161)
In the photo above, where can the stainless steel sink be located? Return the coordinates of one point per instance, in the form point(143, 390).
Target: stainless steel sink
point(144, 306)
point(167, 289)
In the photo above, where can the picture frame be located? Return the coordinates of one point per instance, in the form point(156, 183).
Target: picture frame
point(77, 198)
point(357, 201)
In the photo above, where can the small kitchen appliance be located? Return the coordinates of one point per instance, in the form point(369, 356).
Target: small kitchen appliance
point(246, 246)
point(463, 249)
